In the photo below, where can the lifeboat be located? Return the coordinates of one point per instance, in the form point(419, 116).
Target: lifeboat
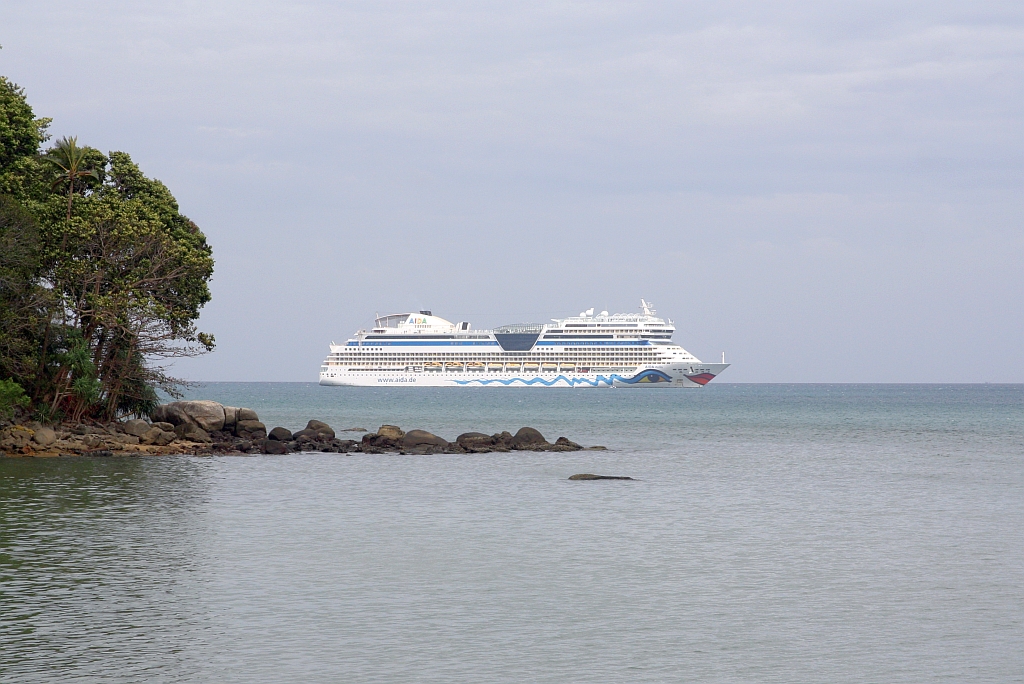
point(568, 367)
point(494, 367)
point(549, 367)
point(530, 366)
point(513, 367)
point(474, 366)
point(452, 366)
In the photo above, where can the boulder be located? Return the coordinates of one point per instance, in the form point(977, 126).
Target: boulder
point(391, 432)
point(157, 436)
point(192, 433)
point(208, 415)
point(170, 413)
point(127, 439)
point(166, 427)
point(136, 427)
point(589, 476)
point(309, 435)
point(250, 429)
point(230, 417)
point(44, 436)
point(246, 414)
point(273, 446)
point(527, 437)
point(473, 437)
point(380, 442)
point(415, 438)
point(563, 444)
point(322, 429)
point(280, 434)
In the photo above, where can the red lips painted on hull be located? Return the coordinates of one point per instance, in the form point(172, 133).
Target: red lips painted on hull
point(702, 378)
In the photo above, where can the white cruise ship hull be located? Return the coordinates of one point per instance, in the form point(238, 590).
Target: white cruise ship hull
point(604, 350)
point(653, 376)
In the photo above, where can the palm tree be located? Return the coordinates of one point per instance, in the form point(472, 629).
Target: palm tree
point(69, 165)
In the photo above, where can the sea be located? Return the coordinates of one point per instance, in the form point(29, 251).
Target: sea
point(772, 533)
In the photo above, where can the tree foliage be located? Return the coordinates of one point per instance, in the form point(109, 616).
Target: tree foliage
point(102, 277)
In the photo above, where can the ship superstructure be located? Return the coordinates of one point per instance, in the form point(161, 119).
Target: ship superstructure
point(589, 350)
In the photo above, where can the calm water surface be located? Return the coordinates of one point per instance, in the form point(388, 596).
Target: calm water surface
point(831, 533)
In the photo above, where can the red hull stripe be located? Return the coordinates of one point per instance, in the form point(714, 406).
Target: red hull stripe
point(701, 379)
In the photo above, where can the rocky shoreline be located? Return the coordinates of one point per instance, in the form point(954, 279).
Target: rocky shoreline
point(207, 428)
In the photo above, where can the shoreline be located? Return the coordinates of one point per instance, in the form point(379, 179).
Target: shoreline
point(207, 428)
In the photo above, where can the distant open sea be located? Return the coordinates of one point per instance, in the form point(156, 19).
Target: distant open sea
point(776, 533)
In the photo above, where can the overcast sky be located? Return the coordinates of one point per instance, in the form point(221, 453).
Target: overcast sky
point(828, 192)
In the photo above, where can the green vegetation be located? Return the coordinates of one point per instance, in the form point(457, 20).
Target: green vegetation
point(101, 276)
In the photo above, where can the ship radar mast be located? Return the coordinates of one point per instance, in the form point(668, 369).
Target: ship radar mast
point(647, 308)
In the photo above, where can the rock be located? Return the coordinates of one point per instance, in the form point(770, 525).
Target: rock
point(589, 476)
point(355, 430)
point(152, 435)
point(527, 438)
point(166, 427)
point(164, 438)
point(416, 438)
point(87, 430)
point(597, 448)
point(391, 432)
point(472, 437)
point(192, 433)
point(304, 436)
point(319, 426)
point(99, 453)
point(230, 417)
point(280, 434)
point(44, 436)
point(208, 415)
point(136, 427)
point(91, 441)
point(250, 429)
point(380, 442)
point(170, 413)
point(273, 446)
point(563, 444)
point(246, 414)
point(127, 439)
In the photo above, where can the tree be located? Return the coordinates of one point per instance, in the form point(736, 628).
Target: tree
point(132, 274)
point(21, 134)
point(71, 164)
point(101, 276)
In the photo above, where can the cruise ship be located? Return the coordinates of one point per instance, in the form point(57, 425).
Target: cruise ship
point(589, 350)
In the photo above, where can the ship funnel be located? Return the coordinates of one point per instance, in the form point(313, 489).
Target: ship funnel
point(590, 311)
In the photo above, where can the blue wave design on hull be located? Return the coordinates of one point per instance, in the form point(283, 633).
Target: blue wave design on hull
point(647, 376)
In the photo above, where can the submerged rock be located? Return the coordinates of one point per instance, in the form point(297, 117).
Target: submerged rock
point(591, 476)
